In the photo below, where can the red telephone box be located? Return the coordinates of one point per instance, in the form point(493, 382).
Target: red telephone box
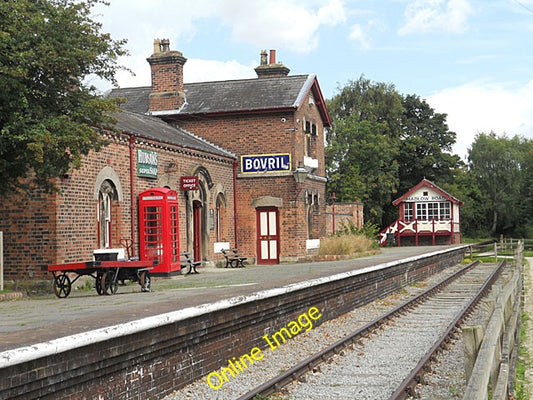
point(159, 229)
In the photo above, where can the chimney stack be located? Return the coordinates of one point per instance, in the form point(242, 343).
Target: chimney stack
point(167, 77)
point(272, 69)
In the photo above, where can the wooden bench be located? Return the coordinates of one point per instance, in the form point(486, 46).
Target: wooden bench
point(233, 259)
point(188, 263)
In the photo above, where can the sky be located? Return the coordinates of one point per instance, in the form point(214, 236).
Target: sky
point(469, 59)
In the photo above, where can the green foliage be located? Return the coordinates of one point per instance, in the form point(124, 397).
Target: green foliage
point(501, 168)
point(369, 229)
point(523, 363)
point(346, 244)
point(362, 146)
point(381, 144)
point(426, 144)
point(47, 110)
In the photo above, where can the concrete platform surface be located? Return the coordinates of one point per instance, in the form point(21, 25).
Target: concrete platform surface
point(26, 321)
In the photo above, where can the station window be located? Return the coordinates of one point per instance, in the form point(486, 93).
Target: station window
point(421, 211)
point(219, 217)
point(408, 211)
point(429, 211)
point(445, 210)
point(107, 197)
point(433, 210)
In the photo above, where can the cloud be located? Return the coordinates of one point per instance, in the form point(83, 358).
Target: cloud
point(357, 34)
point(196, 70)
point(291, 24)
point(427, 16)
point(483, 106)
point(283, 24)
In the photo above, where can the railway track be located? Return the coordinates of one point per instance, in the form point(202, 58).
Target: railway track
point(386, 358)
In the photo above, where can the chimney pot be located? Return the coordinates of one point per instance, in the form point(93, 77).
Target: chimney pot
point(272, 56)
point(165, 45)
point(264, 57)
point(157, 46)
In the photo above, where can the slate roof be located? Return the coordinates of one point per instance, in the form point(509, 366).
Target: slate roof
point(245, 95)
point(153, 128)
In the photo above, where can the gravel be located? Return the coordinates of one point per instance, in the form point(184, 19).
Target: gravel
point(449, 363)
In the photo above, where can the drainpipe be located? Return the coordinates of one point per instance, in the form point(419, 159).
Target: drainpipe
point(132, 197)
point(235, 218)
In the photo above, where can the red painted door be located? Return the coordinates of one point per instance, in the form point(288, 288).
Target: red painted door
point(197, 230)
point(267, 236)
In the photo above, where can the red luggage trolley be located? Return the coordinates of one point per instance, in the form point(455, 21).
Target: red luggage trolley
point(159, 230)
point(106, 274)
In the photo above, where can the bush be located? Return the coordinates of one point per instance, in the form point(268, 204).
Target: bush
point(346, 244)
point(369, 230)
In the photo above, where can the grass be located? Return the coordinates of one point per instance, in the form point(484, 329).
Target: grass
point(346, 244)
point(524, 362)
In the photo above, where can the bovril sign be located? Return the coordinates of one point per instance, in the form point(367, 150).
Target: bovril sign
point(265, 163)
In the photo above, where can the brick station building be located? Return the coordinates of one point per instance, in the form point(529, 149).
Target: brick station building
point(274, 124)
point(98, 204)
point(254, 147)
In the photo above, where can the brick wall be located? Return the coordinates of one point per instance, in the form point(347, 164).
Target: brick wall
point(153, 362)
point(281, 132)
point(41, 229)
point(344, 214)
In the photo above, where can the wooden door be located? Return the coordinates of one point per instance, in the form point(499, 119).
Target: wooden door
point(197, 230)
point(267, 236)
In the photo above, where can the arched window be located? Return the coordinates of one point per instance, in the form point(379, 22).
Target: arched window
point(107, 195)
point(219, 217)
point(310, 222)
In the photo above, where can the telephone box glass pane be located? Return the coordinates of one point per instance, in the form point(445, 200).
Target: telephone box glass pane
point(153, 230)
point(174, 233)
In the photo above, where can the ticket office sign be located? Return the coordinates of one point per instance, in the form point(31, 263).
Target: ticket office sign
point(257, 163)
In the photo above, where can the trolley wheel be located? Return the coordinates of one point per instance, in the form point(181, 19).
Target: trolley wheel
point(144, 281)
point(98, 283)
point(108, 283)
point(62, 285)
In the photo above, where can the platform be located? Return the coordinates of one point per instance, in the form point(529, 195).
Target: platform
point(36, 320)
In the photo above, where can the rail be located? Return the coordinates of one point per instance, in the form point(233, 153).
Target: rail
point(273, 385)
point(493, 368)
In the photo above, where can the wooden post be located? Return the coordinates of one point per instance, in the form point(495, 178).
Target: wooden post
point(472, 338)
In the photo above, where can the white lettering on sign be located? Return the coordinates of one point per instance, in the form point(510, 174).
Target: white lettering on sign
point(147, 157)
point(266, 163)
point(147, 163)
point(189, 183)
point(426, 198)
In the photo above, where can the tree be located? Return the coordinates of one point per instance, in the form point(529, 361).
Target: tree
point(498, 165)
point(426, 144)
point(362, 145)
point(369, 101)
point(381, 144)
point(49, 115)
point(364, 165)
point(474, 209)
